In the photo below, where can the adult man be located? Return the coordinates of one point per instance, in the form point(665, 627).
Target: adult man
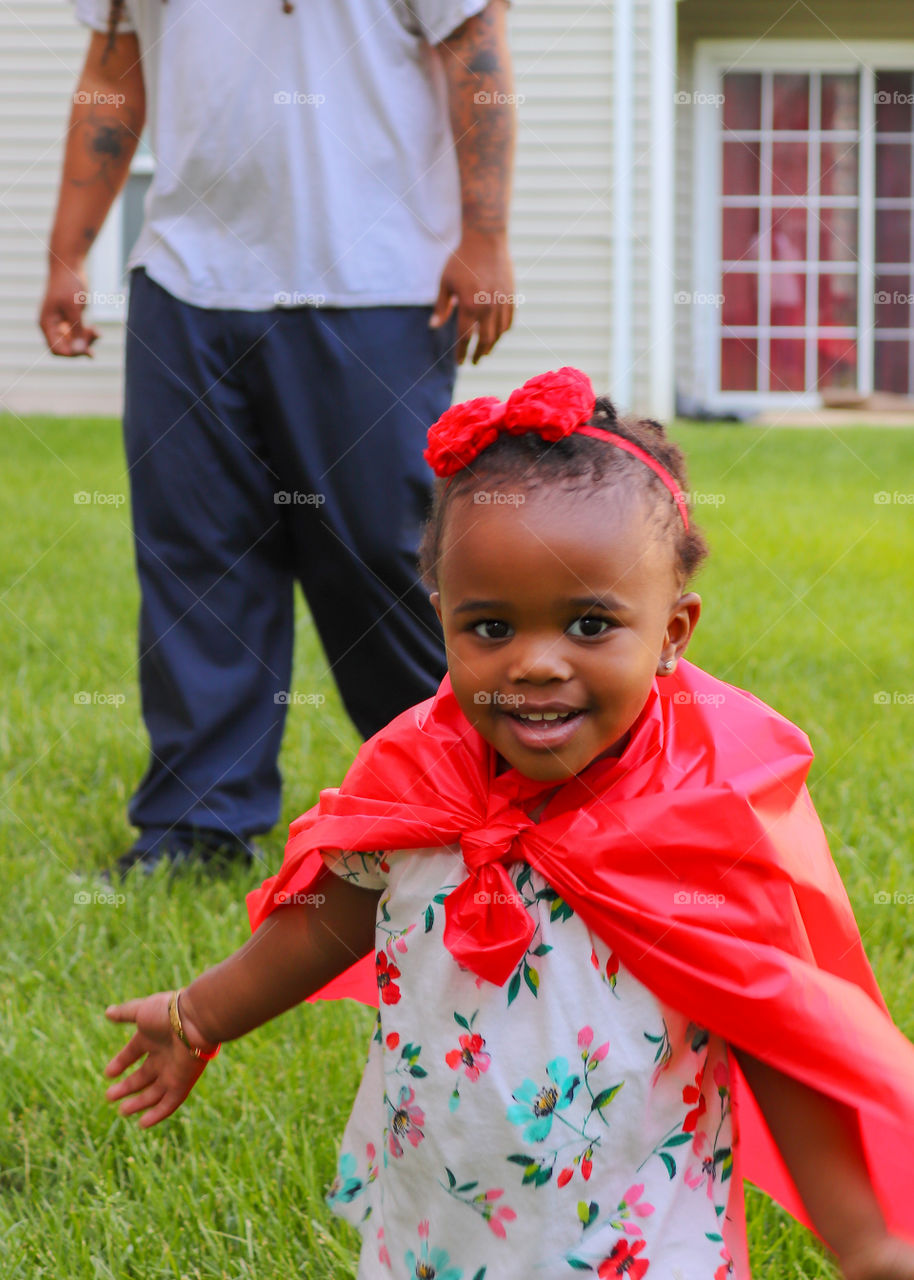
point(324, 238)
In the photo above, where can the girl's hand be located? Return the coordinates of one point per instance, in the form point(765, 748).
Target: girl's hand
point(887, 1258)
point(169, 1072)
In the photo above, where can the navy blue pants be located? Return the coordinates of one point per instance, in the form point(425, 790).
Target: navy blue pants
point(266, 447)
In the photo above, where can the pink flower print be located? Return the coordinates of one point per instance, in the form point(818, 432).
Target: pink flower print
point(585, 1036)
point(499, 1218)
point(631, 1203)
point(383, 1255)
point(722, 1078)
point(470, 1056)
point(423, 1229)
point(696, 1174)
point(726, 1267)
point(406, 1122)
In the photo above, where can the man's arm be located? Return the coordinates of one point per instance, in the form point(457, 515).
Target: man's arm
point(819, 1141)
point(106, 120)
point(478, 278)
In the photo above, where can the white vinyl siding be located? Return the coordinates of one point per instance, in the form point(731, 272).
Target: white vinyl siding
point(42, 48)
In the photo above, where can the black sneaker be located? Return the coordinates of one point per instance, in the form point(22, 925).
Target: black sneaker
point(213, 851)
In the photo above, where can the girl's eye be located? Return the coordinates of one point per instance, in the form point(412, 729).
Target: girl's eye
point(492, 629)
point(587, 628)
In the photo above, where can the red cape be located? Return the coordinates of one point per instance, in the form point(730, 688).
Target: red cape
point(697, 856)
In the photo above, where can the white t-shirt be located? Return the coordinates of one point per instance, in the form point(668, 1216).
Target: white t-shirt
point(300, 158)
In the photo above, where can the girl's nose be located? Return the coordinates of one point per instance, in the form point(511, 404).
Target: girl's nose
point(538, 662)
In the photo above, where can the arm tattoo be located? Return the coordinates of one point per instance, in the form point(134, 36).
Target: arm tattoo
point(108, 142)
point(480, 91)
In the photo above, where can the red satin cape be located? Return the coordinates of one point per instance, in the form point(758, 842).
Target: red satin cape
point(696, 855)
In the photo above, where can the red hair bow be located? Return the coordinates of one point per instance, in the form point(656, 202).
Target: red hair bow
point(551, 404)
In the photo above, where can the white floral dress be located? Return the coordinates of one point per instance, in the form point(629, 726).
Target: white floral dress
point(564, 1123)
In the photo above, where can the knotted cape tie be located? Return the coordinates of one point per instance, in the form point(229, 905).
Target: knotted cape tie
point(487, 928)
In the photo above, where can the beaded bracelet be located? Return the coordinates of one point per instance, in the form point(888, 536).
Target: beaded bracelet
point(174, 1015)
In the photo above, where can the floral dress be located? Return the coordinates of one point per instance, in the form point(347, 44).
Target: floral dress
point(564, 1123)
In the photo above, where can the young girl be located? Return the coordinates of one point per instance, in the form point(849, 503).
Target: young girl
point(616, 969)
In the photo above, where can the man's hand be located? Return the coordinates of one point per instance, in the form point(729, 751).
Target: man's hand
point(478, 282)
point(169, 1072)
point(61, 317)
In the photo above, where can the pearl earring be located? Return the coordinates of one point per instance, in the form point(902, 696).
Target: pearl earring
point(669, 664)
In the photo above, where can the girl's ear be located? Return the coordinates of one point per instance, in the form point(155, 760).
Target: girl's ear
point(435, 601)
point(682, 622)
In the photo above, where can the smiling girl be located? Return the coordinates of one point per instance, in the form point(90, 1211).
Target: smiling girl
point(615, 967)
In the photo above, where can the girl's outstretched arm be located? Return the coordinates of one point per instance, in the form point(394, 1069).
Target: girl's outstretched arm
point(819, 1141)
point(295, 952)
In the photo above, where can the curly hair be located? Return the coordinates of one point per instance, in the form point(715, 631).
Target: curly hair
point(529, 461)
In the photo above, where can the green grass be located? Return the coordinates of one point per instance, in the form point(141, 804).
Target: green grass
point(806, 603)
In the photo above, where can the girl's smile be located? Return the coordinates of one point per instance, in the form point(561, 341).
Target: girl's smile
point(557, 611)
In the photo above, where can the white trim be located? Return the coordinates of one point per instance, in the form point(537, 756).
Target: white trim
point(620, 370)
point(662, 266)
point(107, 300)
point(712, 58)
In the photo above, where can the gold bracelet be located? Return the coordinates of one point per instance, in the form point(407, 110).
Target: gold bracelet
point(174, 1016)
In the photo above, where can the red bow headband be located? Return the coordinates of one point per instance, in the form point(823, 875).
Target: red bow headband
point(554, 405)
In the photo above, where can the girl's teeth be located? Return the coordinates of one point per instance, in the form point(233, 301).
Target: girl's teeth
point(546, 715)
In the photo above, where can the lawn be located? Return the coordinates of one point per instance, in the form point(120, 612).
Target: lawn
point(806, 602)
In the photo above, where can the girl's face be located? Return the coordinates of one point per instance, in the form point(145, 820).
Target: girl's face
point(557, 608)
